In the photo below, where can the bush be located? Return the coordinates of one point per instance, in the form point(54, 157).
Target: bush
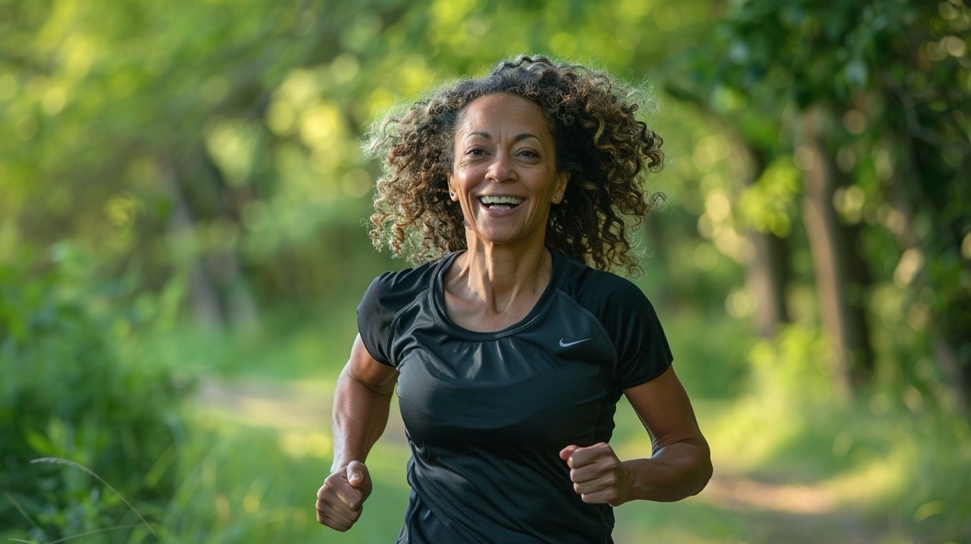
point(71, 391)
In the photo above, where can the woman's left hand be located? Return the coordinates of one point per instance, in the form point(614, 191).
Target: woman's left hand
point(597, 474)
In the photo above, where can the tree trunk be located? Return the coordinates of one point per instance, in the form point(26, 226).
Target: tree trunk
point(217, 291)
point(203, 297)
point(767, 275)
point(841, 274)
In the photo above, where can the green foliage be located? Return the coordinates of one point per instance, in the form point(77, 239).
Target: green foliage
point(792, 364)
point(241, 483)
point(71, 391)
point(813, 51)
point(769, 205)
point(710, 355)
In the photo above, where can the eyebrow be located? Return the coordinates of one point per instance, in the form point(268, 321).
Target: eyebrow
point(516, 139)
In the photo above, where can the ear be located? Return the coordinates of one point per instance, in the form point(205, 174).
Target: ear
point(563, 179)
point(452, 193)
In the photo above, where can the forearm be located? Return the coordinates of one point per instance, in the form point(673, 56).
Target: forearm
point(360, 417)
point(674, 472)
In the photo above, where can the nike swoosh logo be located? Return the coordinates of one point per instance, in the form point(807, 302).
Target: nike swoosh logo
point(568, 344)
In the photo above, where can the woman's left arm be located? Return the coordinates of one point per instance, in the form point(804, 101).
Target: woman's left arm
point(679, 467)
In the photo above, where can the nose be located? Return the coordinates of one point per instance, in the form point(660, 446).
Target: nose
point(501, 168)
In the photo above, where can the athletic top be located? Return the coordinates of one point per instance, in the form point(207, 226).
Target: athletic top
point(487, 413)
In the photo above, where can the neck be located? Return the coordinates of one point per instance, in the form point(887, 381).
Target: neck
point(495, 287)
point(505, 269)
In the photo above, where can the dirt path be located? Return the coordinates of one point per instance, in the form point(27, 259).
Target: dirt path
point(790, 513)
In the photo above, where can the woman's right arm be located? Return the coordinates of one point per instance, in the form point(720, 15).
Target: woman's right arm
point(362, 400)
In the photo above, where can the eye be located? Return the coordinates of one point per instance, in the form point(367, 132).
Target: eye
point(528, 153)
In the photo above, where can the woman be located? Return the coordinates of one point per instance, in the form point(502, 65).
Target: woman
point(511, 345)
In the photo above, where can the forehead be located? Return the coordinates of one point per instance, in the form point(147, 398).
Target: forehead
point(502, 112)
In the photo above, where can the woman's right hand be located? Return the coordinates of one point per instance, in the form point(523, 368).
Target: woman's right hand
point(341, 499)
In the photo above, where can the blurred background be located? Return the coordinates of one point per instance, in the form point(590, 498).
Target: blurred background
point(183, 243)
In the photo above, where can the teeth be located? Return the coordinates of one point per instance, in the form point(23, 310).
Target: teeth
point(500, 200)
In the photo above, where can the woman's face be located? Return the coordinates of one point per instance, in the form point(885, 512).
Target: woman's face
point(504, 173)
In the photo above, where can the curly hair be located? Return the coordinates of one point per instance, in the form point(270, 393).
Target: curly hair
point(597, 137)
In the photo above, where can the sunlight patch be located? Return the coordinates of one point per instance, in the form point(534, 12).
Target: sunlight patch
point(303, 444)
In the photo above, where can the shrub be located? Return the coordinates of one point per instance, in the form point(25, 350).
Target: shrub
point(70, 390)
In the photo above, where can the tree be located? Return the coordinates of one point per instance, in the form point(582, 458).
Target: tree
point(863, 94)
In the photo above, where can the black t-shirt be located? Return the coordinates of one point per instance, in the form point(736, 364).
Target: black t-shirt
point(486, 414)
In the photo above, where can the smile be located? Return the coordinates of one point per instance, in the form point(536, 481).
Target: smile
point(500, 201)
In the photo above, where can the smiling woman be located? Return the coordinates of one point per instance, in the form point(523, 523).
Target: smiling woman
point(510, 344)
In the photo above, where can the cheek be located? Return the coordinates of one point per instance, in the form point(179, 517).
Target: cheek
point(463, 176)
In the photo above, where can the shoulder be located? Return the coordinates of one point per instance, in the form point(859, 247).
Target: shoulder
point(386, 298)
point(597, 289)
point(395, 289)
point(627, 317)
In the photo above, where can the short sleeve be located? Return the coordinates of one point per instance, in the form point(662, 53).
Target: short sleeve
point(642, 348)
point(384, 299)
point(375, 317)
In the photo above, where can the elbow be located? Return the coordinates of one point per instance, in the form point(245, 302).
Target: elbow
point(703, 472)
point(693, 474)
point(696, 470)
point(703, 477)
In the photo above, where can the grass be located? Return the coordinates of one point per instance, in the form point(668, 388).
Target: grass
point(285, 347)
point(248, 484)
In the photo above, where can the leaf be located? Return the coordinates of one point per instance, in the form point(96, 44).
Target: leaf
point(85, 469)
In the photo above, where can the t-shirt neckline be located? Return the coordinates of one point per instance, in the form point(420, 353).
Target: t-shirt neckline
point(538, 309)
